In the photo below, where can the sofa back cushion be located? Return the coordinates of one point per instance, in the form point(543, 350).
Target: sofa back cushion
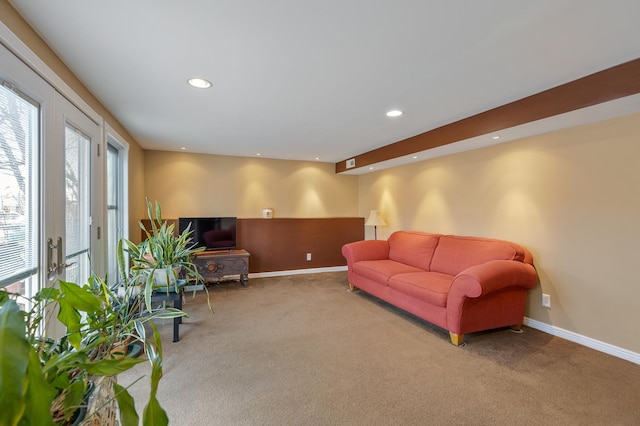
point(454, 254)
point(413, 248)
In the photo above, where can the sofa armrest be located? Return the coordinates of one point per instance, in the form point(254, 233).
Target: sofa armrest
point(365, 250)
point(491, 276)
point(483, 280)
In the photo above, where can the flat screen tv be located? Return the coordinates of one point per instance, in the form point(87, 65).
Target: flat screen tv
point(213, 233)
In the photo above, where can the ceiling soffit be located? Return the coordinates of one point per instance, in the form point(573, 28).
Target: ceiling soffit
point(613, 83)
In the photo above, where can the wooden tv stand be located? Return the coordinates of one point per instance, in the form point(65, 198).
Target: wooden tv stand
point(214, 265)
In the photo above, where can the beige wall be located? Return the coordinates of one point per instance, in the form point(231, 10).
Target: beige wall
point(572, 197)
point(213, 185)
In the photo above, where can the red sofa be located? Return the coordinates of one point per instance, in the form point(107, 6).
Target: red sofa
point(462, 284)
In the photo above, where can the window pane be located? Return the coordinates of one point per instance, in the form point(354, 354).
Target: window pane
point(18, 191)
point(112, 176)
point(77, 208)
point(113, 213)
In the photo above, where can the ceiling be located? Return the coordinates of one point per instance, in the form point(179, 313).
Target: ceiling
point(309, 80)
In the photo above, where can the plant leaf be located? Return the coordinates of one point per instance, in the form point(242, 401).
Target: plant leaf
point(80, 298)
point(111, 367)
point(139, 326)
point(40, 394)
point(21, 382)
point(73, 398)
point(14, 361)
point(71, 319)
point(47, 293)
point(122, 264)
point(154, 414)
point(127, 406)
point(167, 313)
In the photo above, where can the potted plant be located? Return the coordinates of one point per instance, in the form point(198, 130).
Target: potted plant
point(164, 256)
point(46, 379)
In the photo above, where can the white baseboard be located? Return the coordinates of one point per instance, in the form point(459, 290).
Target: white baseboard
point(279, 274)
point(297, 272)
point(583, 340)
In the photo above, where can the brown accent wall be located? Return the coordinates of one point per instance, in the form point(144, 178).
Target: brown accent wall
point(282, 244)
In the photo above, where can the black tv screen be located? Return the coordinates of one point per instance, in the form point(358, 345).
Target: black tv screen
point(213, 233)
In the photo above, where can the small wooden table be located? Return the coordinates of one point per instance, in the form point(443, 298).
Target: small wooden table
point(214, 265)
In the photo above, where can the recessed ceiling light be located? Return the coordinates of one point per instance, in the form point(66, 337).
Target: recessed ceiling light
point(414, 157)
point(258, 154)
point(371, 168)
point(496, 137)
point(183, 148)
point(200, 83)
point(394, 113)
point(317, 158)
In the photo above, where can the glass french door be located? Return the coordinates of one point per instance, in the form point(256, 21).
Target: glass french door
point(50, 175)
point(26, 110)
point(72, 236)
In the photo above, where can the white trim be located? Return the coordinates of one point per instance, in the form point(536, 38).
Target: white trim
point(584, 340)
point(22, 51)
point(123, 152)
point(297, 272)
point(122, 141)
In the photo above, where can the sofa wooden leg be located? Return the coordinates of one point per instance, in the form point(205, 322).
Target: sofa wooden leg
point(516, 328)
point(352, 288)
point(456, 339)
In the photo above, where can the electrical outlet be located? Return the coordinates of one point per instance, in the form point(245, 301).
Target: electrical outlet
point(308, 257)
point(546, 300)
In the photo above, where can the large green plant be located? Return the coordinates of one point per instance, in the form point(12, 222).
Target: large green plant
point(43, 379)
point(163, 250)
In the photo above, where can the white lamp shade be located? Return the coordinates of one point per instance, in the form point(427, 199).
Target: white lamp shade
point(375, 219)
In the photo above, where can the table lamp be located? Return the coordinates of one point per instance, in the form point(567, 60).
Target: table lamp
point(375, 220)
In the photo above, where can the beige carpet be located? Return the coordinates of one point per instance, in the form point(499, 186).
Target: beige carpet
point(301, 350)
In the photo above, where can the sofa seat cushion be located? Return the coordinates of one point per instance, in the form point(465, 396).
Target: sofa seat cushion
point(431, 287)
point(382, 270)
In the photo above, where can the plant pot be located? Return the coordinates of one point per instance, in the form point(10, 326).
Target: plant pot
point(119, 350)
point(165, 277)
point(102, 403)
point(134, 291)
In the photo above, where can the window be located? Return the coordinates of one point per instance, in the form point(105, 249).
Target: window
point(19, 135)
point(114, 227)
point(77, 204)
point(116, 199)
